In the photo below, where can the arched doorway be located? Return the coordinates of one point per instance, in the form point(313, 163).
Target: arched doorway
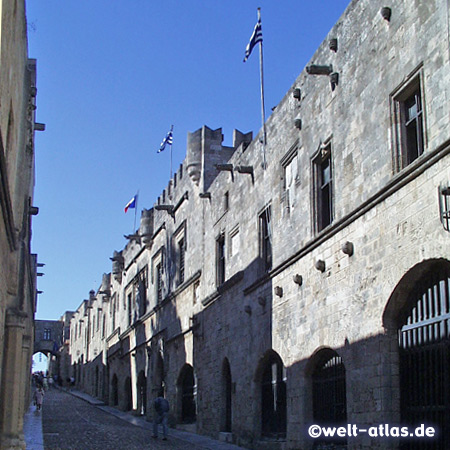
point(158, 375)
point(188, 392)
point(128, 397)
point(273, 396)
point(114, 391)
point(142, 393)
point(226, 396)
point(329, 393)
point(424, 356)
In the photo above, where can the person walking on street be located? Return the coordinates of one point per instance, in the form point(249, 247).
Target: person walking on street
point(160, 416)
point(38, 397)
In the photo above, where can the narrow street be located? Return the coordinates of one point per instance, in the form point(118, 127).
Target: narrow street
point(72, 423)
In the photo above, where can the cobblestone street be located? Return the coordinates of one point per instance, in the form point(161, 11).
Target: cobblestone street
point(70, 423)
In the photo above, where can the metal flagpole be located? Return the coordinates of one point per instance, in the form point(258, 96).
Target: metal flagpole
point(135, 212)
point(171, 130)
point(263, 114)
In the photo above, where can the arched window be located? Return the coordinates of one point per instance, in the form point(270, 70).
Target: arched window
point(188, 390)
point(329, 393)
point(424, 333)
point(273, 397)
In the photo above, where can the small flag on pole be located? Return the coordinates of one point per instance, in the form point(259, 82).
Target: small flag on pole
point(166, 141)
point(131, 203)
point(254, 39)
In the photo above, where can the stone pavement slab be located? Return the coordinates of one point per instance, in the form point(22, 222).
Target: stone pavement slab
point(70, 425)
point(32, 429)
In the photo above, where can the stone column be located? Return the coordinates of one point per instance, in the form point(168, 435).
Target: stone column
point(11, 428)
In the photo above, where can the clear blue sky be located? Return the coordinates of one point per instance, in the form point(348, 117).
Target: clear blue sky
point(113, 76)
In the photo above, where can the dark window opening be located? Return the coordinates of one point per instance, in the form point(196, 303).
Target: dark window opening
point(159, 282)
point(273, 399)
point(220, 252)
point(323, 188)
point(265, 237)
point(181, 254)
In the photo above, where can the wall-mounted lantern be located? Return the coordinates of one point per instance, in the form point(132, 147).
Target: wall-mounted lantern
point(444, 206)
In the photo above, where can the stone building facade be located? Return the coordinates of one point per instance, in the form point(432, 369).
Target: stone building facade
point(18, 265)
point(314, 288)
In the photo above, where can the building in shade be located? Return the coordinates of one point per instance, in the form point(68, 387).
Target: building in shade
point(18, 266)
point(312, 289)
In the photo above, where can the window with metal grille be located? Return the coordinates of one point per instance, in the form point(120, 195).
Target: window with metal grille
point(323, 188)
point(408, 120)
point(329, 392)
point(265, 239)
point(424, 341)
point(220, 260)
point(273, 398)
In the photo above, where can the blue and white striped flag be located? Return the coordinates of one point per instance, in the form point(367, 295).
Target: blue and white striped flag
point(166, 141)
point(255, 38)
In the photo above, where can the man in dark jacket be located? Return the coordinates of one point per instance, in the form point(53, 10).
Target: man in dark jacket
point(160, 415)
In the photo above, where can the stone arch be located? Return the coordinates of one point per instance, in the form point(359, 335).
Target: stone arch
point(187, 395)
point(270, 380)
point(397, 307)
point(417, 320)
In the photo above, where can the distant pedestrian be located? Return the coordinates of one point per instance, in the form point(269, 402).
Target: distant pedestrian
point(160, 416)
point(38, 397)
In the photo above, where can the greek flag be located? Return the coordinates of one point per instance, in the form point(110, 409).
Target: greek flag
point(255, 38)
point(166, 141)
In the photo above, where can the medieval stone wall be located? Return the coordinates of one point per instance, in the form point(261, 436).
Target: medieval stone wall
point(340, 285)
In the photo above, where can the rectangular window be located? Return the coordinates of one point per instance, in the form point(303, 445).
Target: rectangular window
point(290, 178)
point(408, 121)
point(159, 282)
point(140, 290)
point(234, 242)
point(129, 307)
point(265, 239)
point(47, 334)
point(323, 188)
point(181, 254)
point(220, 260)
